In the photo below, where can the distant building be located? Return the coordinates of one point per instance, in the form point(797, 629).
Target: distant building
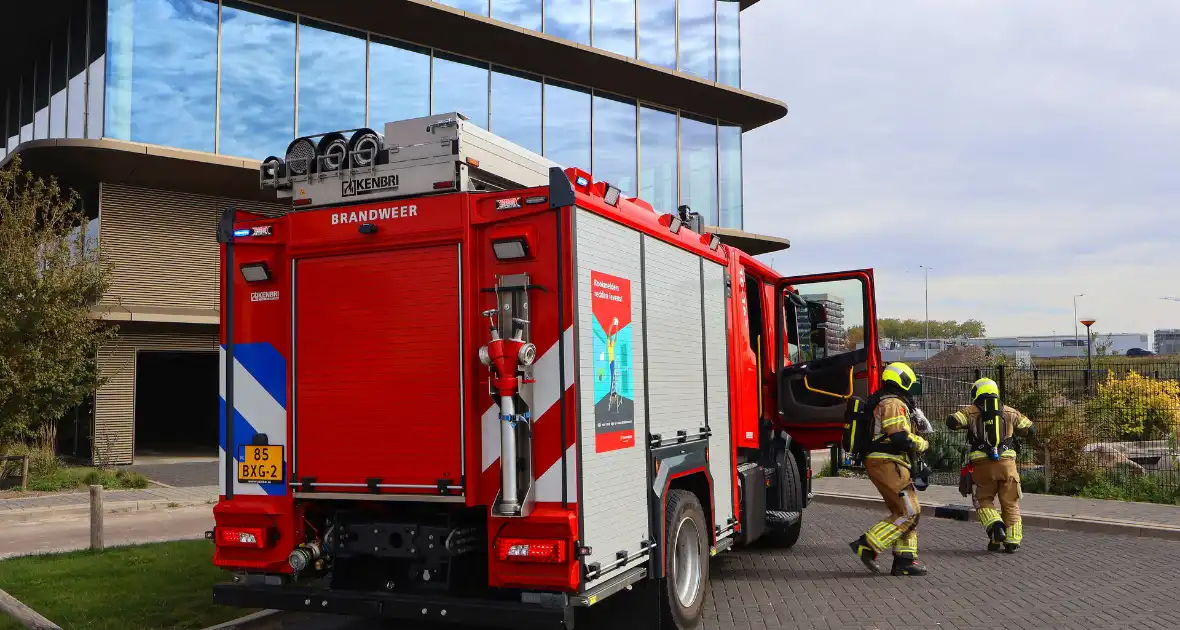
point(1167, 341)
point(1056, 346)
point(837, 335)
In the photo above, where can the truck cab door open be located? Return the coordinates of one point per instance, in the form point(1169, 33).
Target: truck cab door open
point(827, 345)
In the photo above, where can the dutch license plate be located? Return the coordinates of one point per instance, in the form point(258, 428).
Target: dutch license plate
point(261, 464)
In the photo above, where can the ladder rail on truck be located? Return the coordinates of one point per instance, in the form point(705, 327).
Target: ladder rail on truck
point(439, 302)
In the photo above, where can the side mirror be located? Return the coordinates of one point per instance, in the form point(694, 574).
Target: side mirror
point(817, 314)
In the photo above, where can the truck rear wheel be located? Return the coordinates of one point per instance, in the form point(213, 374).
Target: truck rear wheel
point(790, 487)
point(686, 560)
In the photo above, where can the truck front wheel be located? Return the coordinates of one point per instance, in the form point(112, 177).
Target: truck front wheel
point(686, 560)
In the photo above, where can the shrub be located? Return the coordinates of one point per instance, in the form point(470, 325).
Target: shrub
point(1135, 407)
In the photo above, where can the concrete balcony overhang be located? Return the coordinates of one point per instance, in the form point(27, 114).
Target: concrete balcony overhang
point(81, 164)
point(749, 242)
point(156, 315)
point(439, 26)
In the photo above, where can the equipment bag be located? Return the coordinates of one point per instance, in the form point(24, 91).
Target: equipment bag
point(858, 427)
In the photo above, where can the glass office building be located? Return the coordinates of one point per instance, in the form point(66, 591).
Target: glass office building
point(243, 79)
point(157, 112)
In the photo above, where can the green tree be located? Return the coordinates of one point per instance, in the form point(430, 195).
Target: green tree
point(50, 281)
point(903, 329)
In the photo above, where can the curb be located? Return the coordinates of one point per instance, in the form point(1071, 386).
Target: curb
point(1036, 519)
point(8, 517)
point(254, 621)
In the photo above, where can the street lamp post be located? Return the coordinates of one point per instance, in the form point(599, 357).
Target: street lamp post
point(926, 281)
point(1088, 322)
point(1078, 348)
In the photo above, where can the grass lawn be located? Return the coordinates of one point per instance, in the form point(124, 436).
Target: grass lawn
point(165, 585)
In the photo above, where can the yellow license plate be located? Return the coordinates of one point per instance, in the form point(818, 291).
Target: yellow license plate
point(261, 464)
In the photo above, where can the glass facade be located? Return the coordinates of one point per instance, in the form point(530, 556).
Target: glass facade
point(516, 103)
point(257, 113)
point(233, 78)
point(331, 79)
point(460, 85)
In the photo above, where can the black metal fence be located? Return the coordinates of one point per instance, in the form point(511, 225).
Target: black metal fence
point(1109, 432)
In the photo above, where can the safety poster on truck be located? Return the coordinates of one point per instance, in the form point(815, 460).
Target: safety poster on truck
point(614, 393)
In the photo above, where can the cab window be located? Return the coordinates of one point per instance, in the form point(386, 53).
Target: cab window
point(833, 321)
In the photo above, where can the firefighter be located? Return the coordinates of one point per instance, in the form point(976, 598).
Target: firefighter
point(888, 462)
point(991, 427)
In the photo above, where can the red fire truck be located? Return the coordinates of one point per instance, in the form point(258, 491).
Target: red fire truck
point(461, 384)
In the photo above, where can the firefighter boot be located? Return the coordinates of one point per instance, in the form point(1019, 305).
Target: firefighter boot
point(866, 553)
point(996, 533)
point(907, 564)
point(1010, 547)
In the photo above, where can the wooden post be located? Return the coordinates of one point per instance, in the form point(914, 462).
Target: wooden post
point(24, 615)
point(24, 474)
point(96, 517)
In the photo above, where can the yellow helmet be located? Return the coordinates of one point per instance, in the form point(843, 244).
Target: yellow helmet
point(983, 387)
point(901, 374)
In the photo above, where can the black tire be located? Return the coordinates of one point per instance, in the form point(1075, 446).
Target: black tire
point(684, 520)
point(790, 500)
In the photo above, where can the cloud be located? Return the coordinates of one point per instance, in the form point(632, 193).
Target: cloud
point(1026, 151)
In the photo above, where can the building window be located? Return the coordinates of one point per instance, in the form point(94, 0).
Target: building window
point(58, 79)
point(96, 60)
point(522, 13)
point(698, 167)
point(257, 81)
point(567, 125)
point(614, 26)
point(41, 94)
point(729, 143)
point(76, 108)
point(399, 82)
point(162, 72)
point(657, 32)
point(478, 7)
point(516, 108)
point(331, 79)
point(614, 143)
point(568, 19)
point(698, 38)
point(461, 85)
point(657, 158)
point(729, 48)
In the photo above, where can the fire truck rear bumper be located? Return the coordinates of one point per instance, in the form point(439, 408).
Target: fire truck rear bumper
point(487, 613)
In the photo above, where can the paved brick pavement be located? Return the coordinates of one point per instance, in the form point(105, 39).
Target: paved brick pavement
point(1146, 513)
point(1066, 580)
point(180, 475)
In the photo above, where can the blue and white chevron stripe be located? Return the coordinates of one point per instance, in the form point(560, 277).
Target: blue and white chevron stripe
point(260, 406)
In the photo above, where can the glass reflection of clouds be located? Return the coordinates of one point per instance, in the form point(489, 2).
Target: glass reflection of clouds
point(162, 72)
point(568, 19)
point(698, 38)
point(657, 155)
point(257, 81)
point(614, 142)
point(729, 143)
point(729, 48)
point(698, 167)
point(522, 13)
point(657, 32)
point(614, 26)
point(461, 85)
point(567, 126)
point(516, 108)
point(478, 7)
point(399, 82)
point(331, 79)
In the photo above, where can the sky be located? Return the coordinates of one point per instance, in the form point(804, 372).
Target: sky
point(1025, 152)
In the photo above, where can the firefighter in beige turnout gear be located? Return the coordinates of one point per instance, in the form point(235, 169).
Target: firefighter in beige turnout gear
point(888, 464)
point(991, 427)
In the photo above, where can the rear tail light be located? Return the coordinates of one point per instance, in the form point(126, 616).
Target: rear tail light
point(251, 537)
point(531, 550)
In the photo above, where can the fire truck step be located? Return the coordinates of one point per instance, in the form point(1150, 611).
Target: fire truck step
point(778, 518)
